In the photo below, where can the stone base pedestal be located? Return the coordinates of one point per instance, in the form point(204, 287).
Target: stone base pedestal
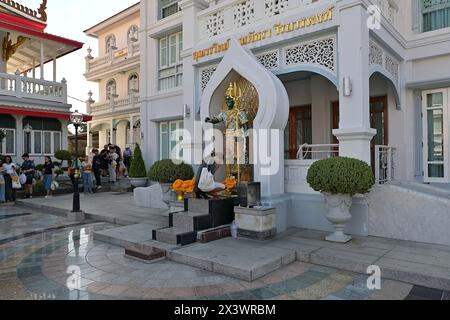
point(76, 216)
point(256, 223)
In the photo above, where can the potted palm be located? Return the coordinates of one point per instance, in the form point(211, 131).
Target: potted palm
point(138, 173)
point(339, 180)
point(166, 172)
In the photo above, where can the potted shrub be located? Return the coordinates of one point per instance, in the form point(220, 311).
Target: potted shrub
point(166, 172)
point(138, 174)
point(63, 155)
point(339, 180)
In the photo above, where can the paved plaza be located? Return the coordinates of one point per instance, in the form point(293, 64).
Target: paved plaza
point(43, 254)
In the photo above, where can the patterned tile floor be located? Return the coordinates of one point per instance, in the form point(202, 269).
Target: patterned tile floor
point(44, 265)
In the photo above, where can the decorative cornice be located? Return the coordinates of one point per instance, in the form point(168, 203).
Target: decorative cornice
point(39, 14)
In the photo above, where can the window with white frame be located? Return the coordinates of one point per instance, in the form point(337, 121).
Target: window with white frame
point(170, 63)
point(8, 126)
point(133, 83)
point(171, 139)
point(133, 34)
point(435, 14)
point(44, 137)
point(168, 8)
point(110, 43)
point(111, 89)
point(8, 145)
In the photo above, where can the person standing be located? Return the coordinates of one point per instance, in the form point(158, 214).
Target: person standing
point(49, 173)
point(97, 162)
point(75, 169)
point(105, 161)
point(127, 155)
point(28, 168)
point(10, 171)
point(113, 165)
point(87, 176)
point(2, 183)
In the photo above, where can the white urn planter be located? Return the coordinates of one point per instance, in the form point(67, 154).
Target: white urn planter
point(139, 182)
point(338, 213)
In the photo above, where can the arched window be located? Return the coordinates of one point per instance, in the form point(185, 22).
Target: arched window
point(133, 34)
point(133, 83)
point(111, 88)
point(110, 43)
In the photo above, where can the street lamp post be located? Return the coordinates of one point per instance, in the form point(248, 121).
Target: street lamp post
point(77, 119)
point(28, 129)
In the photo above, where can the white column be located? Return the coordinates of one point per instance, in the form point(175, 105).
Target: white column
point(65, 134)
point(19, 136)
point(113, 132)
point(354, 133)
point(89, 139)
point(191, 26)
point(42, 60)
point(132, 132)
point(54, 69)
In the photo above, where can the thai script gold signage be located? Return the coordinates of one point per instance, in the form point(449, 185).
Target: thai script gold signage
point(277, 30)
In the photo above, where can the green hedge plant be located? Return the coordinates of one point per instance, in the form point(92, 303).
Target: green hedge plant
point(63, 155)
point(166, 171)
point(137, 169)
point(341, 176)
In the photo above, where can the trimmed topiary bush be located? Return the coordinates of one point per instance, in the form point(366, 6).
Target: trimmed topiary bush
point(137, 169)
point(166, 171)
point(39, 167)
point(63, 155)
point(341, 176)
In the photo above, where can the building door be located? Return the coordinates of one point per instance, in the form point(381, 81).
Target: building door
point(435, 135)
point(378, 121)
point(299, 130)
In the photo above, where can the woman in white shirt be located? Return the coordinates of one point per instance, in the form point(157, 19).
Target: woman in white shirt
point(10, 170)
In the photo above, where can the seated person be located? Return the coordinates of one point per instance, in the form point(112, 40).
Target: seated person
point(211, 164)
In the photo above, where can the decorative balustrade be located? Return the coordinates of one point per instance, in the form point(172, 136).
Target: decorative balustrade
point(389, 9)
point(384, 164)
point(23, 87)
point(113, 104)
point(317, 151)
point(114, 57)
point(234, 14)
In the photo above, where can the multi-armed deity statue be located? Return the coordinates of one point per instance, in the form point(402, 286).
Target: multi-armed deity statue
point(237, 120)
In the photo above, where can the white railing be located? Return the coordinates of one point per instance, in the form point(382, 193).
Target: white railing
point(23, 87)
point(389, 9)
point(114, 104)
point(317, 151)
point(113, 57)
point(233, 14)
point(296, 171)
point(384, 164)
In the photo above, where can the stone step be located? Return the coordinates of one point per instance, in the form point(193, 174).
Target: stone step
point(145, 253)
point(220, 210)
point(175, 236)
point(191, 221)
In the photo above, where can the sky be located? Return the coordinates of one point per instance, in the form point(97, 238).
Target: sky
point(69, 19)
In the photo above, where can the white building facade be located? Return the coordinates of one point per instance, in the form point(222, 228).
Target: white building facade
point(368, 79)
point(116, 114)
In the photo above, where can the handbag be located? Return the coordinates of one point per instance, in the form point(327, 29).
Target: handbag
point(206, 183)
point(23, 178)
point(15, 182)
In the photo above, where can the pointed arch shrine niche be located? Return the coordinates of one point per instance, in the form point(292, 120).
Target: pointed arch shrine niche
point(252, 103)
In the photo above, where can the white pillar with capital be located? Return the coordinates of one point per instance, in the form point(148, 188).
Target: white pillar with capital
point(19, 136)
point(132, 132)
point(113, 132)
point(354, 133)
point(191, 36)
